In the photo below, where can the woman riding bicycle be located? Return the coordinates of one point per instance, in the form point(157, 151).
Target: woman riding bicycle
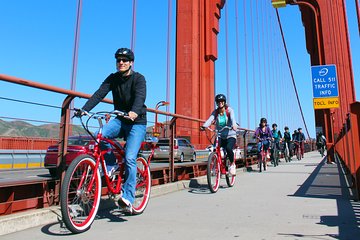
point(223, 116)
point(129, 93)
point(263, 135)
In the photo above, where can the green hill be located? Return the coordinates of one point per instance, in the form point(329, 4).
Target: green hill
point(25, 129)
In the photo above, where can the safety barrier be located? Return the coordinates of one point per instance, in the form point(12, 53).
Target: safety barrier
point(10, 159)
point(31, 194)
point(348, 145)
point(28, 143)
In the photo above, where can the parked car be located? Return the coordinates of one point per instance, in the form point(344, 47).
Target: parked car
point(77, 145)
point(183, 149)
point(238, 153)
point(252, 149)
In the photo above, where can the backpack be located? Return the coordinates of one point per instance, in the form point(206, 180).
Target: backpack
point(217, 113)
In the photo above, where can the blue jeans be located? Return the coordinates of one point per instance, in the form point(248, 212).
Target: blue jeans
point(134, 135)
point(266, 145)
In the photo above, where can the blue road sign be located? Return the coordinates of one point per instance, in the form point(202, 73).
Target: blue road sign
point(324, 81)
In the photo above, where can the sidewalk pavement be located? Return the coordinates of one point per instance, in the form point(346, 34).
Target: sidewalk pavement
point(305, 199)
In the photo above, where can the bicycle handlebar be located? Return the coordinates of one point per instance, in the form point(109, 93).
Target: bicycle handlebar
point(263, 139)
point(99, 116)
point(218, 131)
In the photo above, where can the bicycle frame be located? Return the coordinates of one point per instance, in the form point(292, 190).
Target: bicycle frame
point(218, 153)
point(297, 150)
point(217, 165)
point(217, 150)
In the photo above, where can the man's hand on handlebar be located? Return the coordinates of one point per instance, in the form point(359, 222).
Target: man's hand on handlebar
point(79, 112)
point(131, 115)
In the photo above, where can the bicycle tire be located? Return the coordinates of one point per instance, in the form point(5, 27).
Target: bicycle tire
point(260, 159)
point(143, 186)
point(78, 206)
point(264, 161)
point(276, 156)
point(230, 179)
point(287, 154)
point(213, 172)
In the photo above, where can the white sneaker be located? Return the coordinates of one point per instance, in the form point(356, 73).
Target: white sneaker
point(232, 169)
point(125, 205)
point(110, 169)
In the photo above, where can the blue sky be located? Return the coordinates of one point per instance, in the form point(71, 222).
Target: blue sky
point(38, 38)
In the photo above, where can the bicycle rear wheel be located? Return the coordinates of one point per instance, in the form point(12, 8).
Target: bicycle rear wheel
point(80, 194)
point(230, 179)
point(143, 186)
point(213, 172)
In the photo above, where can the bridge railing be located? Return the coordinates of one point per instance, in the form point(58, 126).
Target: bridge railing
point(347, 145)
point(45, 193)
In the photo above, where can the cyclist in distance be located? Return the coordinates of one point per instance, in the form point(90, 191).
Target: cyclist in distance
point(287, 140)
point(294, 136)
point(129, 93)
point(263, 134)
point(223, 116)
point(300, 137)
point(320, 141)
point(276, 137)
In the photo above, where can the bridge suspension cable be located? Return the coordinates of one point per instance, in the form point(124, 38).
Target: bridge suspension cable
point(246, 70)
point(237, 60)
point(291, 72)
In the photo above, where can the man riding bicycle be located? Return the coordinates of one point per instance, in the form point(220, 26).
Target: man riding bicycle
point(300, 138)
point(287, 141)
point(320, 141)
point(223, 116)
point(263, 135)
point(129, 93)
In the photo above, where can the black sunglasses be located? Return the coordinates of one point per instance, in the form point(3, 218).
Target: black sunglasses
point(122, 59)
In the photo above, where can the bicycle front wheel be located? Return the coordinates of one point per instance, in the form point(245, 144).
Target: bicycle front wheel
point(80, 194)
point(213, 172)
point(143, 186)
point(276, 157)
point(287, 154)
point(298, 155)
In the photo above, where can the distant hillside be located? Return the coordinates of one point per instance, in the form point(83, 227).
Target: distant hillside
point(25, 129)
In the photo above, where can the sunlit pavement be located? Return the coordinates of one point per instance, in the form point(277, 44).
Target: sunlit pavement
point(304, 199)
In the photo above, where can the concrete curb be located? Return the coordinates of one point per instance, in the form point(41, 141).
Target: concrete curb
point(33, 218)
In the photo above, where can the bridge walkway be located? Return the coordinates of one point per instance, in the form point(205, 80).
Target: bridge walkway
point(305, 199)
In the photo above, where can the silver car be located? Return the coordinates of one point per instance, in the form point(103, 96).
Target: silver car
point(183, 149)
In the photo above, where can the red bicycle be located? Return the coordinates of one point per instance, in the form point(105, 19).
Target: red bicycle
point(218, 164)
point(297, 150)
point(82, 184)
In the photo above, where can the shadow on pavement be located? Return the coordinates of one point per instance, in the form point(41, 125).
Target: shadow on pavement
point(330, 182)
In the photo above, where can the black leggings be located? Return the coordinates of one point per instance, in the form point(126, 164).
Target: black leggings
point(228, 145)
